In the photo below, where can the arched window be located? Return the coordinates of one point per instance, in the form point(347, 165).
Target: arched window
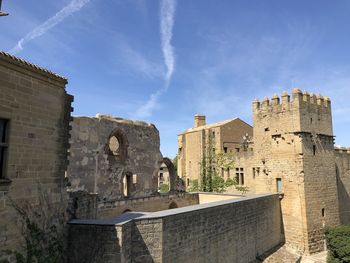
point(117, 147)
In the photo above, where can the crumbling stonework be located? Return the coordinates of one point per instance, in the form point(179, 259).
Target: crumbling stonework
point(114, 157)
point(36, 109)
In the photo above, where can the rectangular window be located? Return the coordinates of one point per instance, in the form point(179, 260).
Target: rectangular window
point(253, 173)
point(279, 184)
point(3, 146)
point(242, 178)
point(237, 178)
point(225, 149)
point(237, 150)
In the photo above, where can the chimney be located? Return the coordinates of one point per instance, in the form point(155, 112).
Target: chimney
point(199, 120)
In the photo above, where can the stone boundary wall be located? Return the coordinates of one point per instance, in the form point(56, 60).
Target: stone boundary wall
point(110, 209)
point(225, 231)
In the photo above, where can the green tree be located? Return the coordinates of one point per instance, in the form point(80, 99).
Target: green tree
point(174, 161)
point(194, 186)
point(338, 244)
point(211, 163)
point(164, 188)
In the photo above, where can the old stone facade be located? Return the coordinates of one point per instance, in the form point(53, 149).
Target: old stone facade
point(114, 157)
point(192, 144)
point(118, 161)
point(292, 152)
point(34, 125)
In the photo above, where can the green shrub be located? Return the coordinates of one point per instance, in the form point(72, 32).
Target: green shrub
point(229, 182)
point(194, 186)
point(218, 184)
point(338, 244)
point(164, 188)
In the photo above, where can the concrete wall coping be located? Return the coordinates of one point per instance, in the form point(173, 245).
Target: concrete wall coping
point(192, 208)
point(125, 218)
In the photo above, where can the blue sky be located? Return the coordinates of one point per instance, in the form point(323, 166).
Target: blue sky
point(164, 60)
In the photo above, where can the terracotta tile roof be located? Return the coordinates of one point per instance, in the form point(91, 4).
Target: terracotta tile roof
point(21, 62)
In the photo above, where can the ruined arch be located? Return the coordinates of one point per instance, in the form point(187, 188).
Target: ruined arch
point(172, 173)
point(117, 146)
point(127, 211)
point(173, 205)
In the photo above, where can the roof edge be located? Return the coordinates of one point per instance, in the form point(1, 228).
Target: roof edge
point(31, 66)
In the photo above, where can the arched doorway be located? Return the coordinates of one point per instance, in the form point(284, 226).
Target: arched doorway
point(167, 174)
point(173, 205)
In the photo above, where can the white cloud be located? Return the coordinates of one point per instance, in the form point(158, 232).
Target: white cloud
point(147, 109)
point(139, 63)
point(167, 14)
point(71, 8)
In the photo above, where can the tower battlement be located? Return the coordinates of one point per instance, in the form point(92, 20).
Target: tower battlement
point(300, 112)
point(286, 102)
point(342, 150)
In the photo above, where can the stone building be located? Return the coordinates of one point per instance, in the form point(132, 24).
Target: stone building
point(292, 153)
point(226, 136)
point(34, 131)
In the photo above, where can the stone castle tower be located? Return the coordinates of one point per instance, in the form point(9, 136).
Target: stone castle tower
point(294, 154)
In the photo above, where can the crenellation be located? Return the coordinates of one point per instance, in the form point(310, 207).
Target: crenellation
point(306, 97)
point(320, 100)
point(275, 100)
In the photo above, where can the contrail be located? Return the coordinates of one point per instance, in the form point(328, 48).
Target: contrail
point(167, 14)
point(69, 9)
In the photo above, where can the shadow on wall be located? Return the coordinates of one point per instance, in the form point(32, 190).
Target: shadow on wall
point(343, 200)
point(104, 248)
point(261, 258)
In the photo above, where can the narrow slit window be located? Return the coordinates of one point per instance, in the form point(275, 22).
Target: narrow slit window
point(279, 184)
point(314, 149)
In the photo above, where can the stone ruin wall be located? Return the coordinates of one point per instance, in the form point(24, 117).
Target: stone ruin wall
point(95, 169)
point(37, 107)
